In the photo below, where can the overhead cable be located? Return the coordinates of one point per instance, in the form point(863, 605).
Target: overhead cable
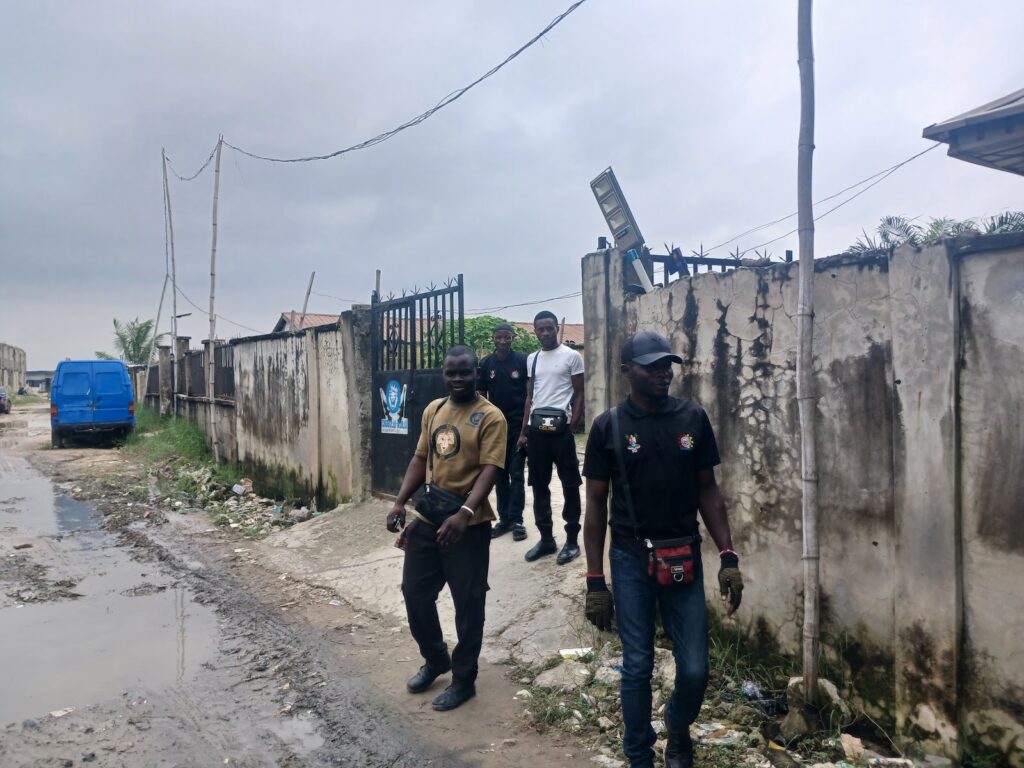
point(487, 310)
point(202, 168)
point(219, 316)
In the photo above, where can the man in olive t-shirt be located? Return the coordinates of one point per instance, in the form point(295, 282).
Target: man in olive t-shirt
point(461, 447)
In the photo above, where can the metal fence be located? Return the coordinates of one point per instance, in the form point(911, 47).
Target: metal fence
point(153, 380)
point(669, 268)
point(224, 372)
point(195, 372)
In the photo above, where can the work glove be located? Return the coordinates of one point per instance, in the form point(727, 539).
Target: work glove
point(730, 581)
point(599, 606)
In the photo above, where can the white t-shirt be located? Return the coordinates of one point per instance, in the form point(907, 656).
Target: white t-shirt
point(553, 386)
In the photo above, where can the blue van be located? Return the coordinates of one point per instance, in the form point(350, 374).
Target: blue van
point(91, 396)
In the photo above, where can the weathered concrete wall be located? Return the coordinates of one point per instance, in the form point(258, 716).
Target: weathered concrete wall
point(12, 368)
point(886, 353)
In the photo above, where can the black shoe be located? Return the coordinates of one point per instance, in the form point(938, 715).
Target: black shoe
point(454, 695)
point(540, 549)
point(518, 532)
point(679, 750)
point(423, 679)
point(500, 529)
point(569, 553)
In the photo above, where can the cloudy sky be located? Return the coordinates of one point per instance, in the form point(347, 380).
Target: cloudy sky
point(693, 102)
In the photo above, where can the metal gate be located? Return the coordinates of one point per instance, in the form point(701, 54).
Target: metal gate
point(409, 338)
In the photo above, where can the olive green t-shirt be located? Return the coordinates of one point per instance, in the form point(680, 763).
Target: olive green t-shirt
point(466, 437)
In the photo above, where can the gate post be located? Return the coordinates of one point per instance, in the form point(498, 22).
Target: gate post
point(165, 379)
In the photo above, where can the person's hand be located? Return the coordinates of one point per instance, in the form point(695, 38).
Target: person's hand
point(521, 443)
point(599, 607)
point(451, 530)
point(403, 538)
point(395, 519)
point(730, 581)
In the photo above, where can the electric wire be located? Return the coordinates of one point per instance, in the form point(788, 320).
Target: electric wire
point(337, 298)
point(219, 316)
point(486, 310)
point(202, 168)
point(884, 173)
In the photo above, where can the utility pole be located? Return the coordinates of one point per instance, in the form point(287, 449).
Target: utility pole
point(174, 290)
point(212, 349)
point(156, 327)
point(305, 302)
point(805, 391)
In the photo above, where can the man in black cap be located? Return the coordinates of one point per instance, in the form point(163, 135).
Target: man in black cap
point(658, 453)
point(502, 380)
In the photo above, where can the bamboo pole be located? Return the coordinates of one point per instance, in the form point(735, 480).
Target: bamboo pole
point(305, 302)
point(212, 348)
point(174, 291)
point(804, 365)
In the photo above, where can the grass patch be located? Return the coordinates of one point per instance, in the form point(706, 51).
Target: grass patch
point(30, 399)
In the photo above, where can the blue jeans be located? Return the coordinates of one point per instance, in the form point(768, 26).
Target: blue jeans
point(509, 483)
point(684, 617)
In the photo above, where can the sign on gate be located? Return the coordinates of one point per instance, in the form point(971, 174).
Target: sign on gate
point(410, 335)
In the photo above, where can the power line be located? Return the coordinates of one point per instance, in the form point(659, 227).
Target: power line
point(382, 137)
point(219, 316)
point(338, 298)
point(202, 168)
point(884, 173)
point(486, 310)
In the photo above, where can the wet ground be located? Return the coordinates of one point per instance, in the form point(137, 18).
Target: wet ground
point(133, 635)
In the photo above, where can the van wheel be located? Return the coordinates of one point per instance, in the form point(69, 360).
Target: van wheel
point(56, 439)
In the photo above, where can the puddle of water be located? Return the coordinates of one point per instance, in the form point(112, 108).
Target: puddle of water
point(299, 733)
point(30, 503)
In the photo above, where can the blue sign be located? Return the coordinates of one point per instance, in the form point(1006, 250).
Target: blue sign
point(392, 397)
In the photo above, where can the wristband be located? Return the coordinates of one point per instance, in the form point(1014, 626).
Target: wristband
point(471, 512)
point(595, 575)
point(728, 551)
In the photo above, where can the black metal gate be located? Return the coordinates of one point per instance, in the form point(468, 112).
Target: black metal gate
point(410, 335)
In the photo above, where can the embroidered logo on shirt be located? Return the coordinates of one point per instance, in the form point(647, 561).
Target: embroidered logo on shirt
point(631, 444)
point(475, 418)
point(514, 375)
point(446, 441)
point(494, 373)
point(686, 442)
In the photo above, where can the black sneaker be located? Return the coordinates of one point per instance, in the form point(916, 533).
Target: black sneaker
point(569, 552)
point(500, 529)
point(455, 695)
point(540, 549)
point(423, 679)
point(518, 532)
point(679, 750)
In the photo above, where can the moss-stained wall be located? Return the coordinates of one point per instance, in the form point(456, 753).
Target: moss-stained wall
point(916, 545)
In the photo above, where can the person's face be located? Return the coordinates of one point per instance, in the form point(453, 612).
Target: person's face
point(393, 398)
point(546, 330)
point(650, 381)
point(502, 341)
point(459, 376)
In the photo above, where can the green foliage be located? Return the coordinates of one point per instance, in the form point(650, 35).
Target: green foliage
point(133, 340)
point(894, 231)
point(479, 331)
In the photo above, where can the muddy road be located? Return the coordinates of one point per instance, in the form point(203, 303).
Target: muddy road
point(132, 635)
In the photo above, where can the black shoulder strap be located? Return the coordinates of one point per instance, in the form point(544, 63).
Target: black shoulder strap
point(430, 441)
point(533, 373)
point(621, 460)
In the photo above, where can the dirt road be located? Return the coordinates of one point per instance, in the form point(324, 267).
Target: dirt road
point(133, 635)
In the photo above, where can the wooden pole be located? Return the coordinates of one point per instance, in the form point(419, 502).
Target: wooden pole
point(805, 393)
point(174, 290)
point(156, 325)
point(377, 285)
point(305, 302)
point(212, 349)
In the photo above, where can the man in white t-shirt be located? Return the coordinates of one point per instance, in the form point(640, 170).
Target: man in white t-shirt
point(554, 405)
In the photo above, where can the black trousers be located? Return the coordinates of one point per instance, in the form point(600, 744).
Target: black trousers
point(463, 567)
point(543, 452)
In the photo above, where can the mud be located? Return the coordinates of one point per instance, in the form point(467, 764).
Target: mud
point(183, 649)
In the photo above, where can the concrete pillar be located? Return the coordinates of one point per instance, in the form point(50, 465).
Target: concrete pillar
point(180, 364)
point(166, 377)
point(923, 304)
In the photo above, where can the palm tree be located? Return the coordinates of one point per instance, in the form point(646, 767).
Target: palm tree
point(894, 231)
point(133, 340)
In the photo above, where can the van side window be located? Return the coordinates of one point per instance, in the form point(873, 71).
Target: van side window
point(109, 383)
point(75, 383)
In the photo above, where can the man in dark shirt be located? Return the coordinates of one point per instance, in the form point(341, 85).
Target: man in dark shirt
point(658, 453)
point(503, 381)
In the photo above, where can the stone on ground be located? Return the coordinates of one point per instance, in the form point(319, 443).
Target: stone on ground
point(566, 677)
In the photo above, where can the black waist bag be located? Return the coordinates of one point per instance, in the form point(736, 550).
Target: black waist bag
point(436, 504)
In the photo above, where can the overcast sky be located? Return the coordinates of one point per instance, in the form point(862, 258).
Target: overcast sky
point(694, 103)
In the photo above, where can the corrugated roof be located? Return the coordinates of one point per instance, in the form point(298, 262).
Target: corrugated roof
point(290, 321)
point(991, 135)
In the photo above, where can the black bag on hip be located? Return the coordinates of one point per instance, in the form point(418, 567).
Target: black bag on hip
point(436, 504)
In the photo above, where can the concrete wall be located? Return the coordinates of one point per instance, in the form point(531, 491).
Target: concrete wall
point(912, 603)
point(12, 368)
point(299, 420)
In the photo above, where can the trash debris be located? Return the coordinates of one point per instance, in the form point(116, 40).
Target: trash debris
point(62, 712)
point(238, 489)
point(575, 653)
point(752, 691)
point(892, 761)
point(23, 546)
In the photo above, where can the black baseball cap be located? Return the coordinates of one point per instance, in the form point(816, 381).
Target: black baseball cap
point(647, 347)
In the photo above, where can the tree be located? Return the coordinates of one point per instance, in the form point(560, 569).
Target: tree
point(133, 341)
point(805, 394)
point(894, 231)
point(479, 330)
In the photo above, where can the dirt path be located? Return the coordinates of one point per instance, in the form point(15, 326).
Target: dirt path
point(176, 645)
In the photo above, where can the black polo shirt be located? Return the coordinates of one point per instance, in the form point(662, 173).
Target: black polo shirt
point(663, 451)
point(504, 384)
